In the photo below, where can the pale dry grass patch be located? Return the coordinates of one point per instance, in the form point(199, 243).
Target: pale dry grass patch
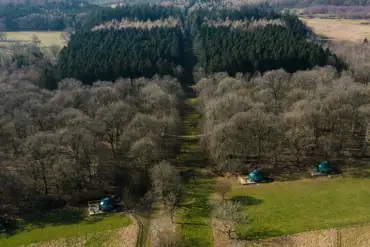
point(244, 24)
point(127, 23)
point(355, 236)
point(46, 38)
point(339, 29)
point(123, 237)
point(358, 236)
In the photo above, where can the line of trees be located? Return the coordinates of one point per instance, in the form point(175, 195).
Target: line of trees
point(141, 12)
point(279, 118)
point(356, 56)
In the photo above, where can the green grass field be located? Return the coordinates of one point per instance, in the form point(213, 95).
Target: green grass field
point(60, 225)
point(46, 38)
point(298, 206)
point(195, 217)
point(195, 221)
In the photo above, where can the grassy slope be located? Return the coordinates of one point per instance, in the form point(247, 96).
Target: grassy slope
point(39, 231)
point(304, 205)
point(195, 219)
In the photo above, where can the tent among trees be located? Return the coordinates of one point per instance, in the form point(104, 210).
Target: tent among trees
point(326, 168)
point(107, 204)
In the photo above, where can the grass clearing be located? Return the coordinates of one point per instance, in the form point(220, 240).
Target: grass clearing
point(46, 38)
point(194, 218)
point(339, 29)
point(58, 225)
point(304, 205)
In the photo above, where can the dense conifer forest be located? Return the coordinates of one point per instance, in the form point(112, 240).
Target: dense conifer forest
point(245, 40)
point(109, 54)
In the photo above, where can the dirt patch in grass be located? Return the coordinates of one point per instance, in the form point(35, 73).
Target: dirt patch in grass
point(64, 227)
point(355, 236)
point(123, 237)
point(324, 238)
point(345, 237)
point(339, 29)
point(126, 237)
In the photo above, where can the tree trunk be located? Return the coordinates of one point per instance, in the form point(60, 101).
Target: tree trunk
point(341, 139)
point(229, 233)
point(316, 133)
point(172, 216)
point(366, 138)
point(44, 179)
point(259, 149)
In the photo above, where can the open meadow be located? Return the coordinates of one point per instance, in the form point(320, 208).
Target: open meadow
point(319, 212)
point(339, 29)
point(304, 205)
point(66, 228)
point(46, 38)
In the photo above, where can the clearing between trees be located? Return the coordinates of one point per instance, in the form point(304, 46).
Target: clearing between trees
point(194, 217)
point(282, 208)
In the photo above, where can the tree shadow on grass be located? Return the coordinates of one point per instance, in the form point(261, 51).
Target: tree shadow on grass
point(191, 223)
point(51, 218)
point(64, 216)
point(247, 200)
point(261, 234)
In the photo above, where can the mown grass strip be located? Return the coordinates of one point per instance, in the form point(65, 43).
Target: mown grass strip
point(195, 217)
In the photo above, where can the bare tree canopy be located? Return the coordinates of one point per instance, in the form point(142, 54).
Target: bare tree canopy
point(282, 118)
point(228, 215)
point(79, 139)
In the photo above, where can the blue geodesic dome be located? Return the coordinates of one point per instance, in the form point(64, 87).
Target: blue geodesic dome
point(107, 204)
point(255, 176)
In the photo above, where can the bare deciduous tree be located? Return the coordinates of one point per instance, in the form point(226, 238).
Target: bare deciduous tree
point(167, 186)
point(229, 215)
point(222, 188)
point(41, 150)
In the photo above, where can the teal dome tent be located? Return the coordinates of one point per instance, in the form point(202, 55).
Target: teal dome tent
point(325, 167)
point(107, 204)
point(255, 176)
